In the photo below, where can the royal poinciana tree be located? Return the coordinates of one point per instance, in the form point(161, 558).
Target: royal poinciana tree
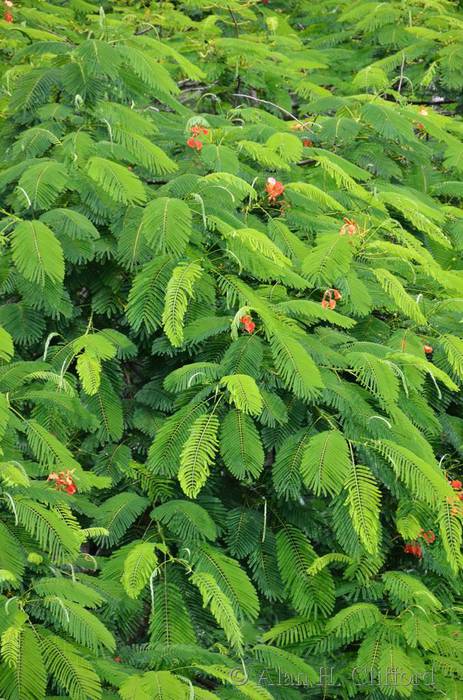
point(231, 353)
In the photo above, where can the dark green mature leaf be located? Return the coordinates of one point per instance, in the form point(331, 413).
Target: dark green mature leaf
point(37, 253)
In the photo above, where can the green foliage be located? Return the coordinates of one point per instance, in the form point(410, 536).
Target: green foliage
point(36, 253)
point(198, 454)
point(325, 463)
point(209, 479)
point(179, 288)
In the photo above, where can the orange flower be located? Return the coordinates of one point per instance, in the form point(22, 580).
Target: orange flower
point(330, 297)
point(193, 143)
point(349, 226)
point(248, 323)
point(456, 484)
point(307, 142)
point(414, 549)
point(428, 536)
point(197, 130)
point(428, 349)
point(64, 481)
point(274, 189)
point(8, 17)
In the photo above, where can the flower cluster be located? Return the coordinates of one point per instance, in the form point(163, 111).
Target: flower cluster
point(274, 189)
point(456, 508)
point(457, 486)
point(7, 16)
point(64, 481)
point(428, 349)
point(194, 142)
point(248, 323)
point(419, 125)
point(330, 297)
point(415, 549)
point(349, 226)
point(428, 536)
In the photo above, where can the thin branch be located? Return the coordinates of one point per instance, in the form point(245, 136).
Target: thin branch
point(147, 29)
point(399, 88)
point(237, 31)
point(434, 103)
point(267, 102)
point(140, 32)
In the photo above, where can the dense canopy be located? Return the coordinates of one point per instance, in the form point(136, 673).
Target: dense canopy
point(231, 350)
